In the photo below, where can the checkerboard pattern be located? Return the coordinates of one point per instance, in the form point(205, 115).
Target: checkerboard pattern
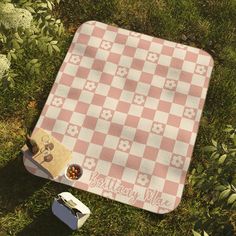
point(128, 105)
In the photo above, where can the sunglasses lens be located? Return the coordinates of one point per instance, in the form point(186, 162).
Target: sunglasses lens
point(49, 146)
point(48, 158)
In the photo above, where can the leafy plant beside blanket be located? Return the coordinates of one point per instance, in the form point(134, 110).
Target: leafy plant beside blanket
point(27, 36)
point(214, 180)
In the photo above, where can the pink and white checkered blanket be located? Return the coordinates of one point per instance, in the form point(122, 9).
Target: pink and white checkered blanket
point(128, 106)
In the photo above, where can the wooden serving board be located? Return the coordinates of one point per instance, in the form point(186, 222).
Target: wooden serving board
point(52, 156)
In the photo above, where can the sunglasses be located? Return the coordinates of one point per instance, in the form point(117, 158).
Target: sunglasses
point(47, 148)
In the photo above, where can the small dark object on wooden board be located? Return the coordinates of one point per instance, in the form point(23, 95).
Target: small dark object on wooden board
point(31, 144)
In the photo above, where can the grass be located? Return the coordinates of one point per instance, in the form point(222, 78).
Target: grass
point(25, 200)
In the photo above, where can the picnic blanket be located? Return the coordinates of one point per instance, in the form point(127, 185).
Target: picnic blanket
point(127, 106)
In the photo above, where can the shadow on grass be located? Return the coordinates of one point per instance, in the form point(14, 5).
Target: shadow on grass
point(46, 224)
point(16, 184)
